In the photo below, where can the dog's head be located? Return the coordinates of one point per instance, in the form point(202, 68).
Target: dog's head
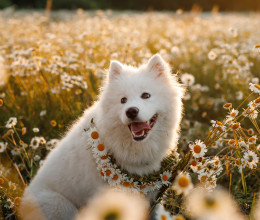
point(141, 107)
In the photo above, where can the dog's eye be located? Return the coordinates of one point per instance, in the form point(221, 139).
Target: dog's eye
point(123, 100)
point(145, 95)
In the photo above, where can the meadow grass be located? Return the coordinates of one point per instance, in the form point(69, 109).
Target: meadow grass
point(51, 70)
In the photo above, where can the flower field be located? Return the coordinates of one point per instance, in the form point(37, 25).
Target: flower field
point(51, 70)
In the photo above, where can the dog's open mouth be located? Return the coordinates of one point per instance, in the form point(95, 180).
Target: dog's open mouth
point(140, 130)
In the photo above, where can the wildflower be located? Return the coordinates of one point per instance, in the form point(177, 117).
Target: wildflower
point(258, 147)
point(212, 205)
point(227, 106)
point(51, 144)
point(233, 113)
point(198, 149)
point(11, 122)
point(212, 55)
point(3, 146)
point(43, 112)
point(165, 176)
point(239, 95)
point(187, 79)
point(53, 123)
point(251, 159)
point(35, 143)
point(11, 185)
point(113, 204)
point(182, 183)
point(252, 140)
point(35, 130)
point(250, 131)
point(10, 204)
point(15, 151)
point(1, 102)
point(254, 88)
point(235, 126)
point(37, 158)
point(161, 213)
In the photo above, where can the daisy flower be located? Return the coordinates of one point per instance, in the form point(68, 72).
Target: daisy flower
point(251, 159)
point(112, 204)
point(254, 88)
point(165, 176)
point(198, 149)
point(15, 151)
point(35, 143)
point(227, 106)
point(235, 126)
point(10, 204)
point(182, 183)
point(161, 213)
point(187, 79)
point(252, 140)
point(233, 113)
point(211, 205)
point(3, 146)
point(35, 130)
point(11, 185)
point(11, 122)
point(212, 55)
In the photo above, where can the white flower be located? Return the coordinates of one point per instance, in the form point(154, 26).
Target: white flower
point(35, 143)
point(254, 88)
point(251, 159)
point(165, 176)
point(182, 183)
point(161, 213)
point(215, 205)
point(51, 144)
point(233, 113)
point(11, 122)
point(37, 157)
point(212, 55)
point(112, 204)
point(10, 204)
point(198, 149)
point(187, 79)
point(35, 130)
point(3, 146)
point(15, 151)
point(239, 95)
point(43, 112)
point(252, 140)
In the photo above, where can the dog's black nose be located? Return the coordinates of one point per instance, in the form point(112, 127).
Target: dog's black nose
point(132, 112)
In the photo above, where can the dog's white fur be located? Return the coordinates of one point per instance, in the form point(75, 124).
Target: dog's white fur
point(69, 177)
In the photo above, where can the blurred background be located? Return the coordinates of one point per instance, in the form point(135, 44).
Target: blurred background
point(205, 5)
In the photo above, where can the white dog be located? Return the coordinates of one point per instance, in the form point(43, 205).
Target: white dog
point(137, 118)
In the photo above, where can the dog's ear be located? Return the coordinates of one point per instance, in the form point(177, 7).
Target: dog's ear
point(115, 69)
point(157, 65)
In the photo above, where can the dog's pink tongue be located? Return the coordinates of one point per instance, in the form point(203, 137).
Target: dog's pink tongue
point(139, 126)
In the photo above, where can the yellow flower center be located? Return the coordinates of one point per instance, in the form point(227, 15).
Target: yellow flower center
point(94, 135)
point(101, 147)
point(183, 181)
point(235, 126)
point(203, 179)
point(163, 217)
point(197, 149)
point(165, 177)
